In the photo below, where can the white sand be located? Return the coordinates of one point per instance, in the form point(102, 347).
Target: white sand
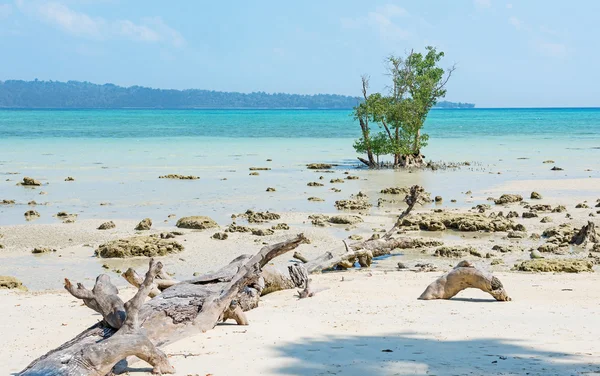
point(550, 328)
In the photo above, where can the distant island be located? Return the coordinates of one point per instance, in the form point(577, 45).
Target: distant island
point(77, 94)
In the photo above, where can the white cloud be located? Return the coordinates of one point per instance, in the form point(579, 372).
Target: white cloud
point(552, 49)
point(517, 23)
point(5, 11)
point(482, 4)
point(151, 30)
point(383, 19)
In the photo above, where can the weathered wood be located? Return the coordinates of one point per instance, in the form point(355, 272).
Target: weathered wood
point(182, 310)
point(464, 276)
point(300, 257)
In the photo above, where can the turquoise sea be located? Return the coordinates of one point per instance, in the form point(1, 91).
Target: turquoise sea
point(116, 156)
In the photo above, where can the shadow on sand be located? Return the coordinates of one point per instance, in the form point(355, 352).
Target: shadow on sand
point(409, 354)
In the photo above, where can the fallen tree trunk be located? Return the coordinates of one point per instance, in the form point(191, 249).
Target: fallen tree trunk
point(184, 309)
point(464, 276)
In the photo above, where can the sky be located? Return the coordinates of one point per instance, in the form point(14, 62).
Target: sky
point(508, 53)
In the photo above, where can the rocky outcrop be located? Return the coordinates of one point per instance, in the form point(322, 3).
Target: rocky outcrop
point(220, 236)
point(345, 219)
point(179, 177)
point(27, 181)
point(555, 265)
point(508, 198)
point(149, 246)
point(8, 282)
point(461, 222)
point(107, 225)
point(39, 250)
point(319, 166)
point(145, 224)
point(197, 222)
point(258, 217)
point(31, 215)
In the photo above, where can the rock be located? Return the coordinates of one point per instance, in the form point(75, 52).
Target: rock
point(69, 178)
point(350, 177)
point(546, 220)
point(237, 228)
point(254, 173)
point(259, 217)
point(334, 181)
point(541, 208)
point(529, 215)
point(497, 261)
point(107, 225)
point(145, 224)
point(179, 177)
point(453, 200)
point(30, 182)
point(32, 203)
point(508, 198)
point(562, 234)
point(270, 189)
point(438, 199)
point(220, 236)
point(336, 190)
point(481, 208)
point(316, 199)
point(552, 248)
point(319, 220)
point(7, 202)
point(198, 222)
point(262, 231)
point(456, 252)
point(402, 266)
point(353, 204)
point(345, 219)
point(506, 248)
point(66, 217)
point(314, 184)
point(582, 205)
point(535, 196)
point(31, 214)
point(535, 254)
point(11, 283)
point(149, 246)
point(512, 214)
point(548, 161)
point(555, 265)
point(39, 250)
point(461, 222)
point(260, 168)
point(319, 166)
point(396, 191)
point(559, 209)
point(516, 235)
point(280, 226)
point(556, 169)
point(355, 237)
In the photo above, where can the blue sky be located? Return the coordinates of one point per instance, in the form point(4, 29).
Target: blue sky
point(508, 53)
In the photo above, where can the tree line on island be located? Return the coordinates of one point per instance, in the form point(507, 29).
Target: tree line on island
point(391, 123)
point(75, 94)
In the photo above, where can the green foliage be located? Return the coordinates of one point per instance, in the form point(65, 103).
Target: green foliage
point(417, 84)
point(74, 94)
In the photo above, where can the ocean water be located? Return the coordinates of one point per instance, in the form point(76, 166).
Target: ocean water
point(116, 156)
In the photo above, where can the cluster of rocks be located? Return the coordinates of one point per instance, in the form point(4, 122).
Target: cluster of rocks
point(179, 177)
point(149, 246)
point(31, 215)
point(258, 217)
point(256, 231)
point(555, 265)
point(40, 250)
point(69, 178)
point(460, 221)
point(7, 202)
point(322, 220)
point(456, 252)
point(319, 166)
point(359, 201)
point(336, 181)
point(66, 217)
point(314, 184)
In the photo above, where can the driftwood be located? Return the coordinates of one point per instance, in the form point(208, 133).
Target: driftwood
point(184, 309)
point(463, 276)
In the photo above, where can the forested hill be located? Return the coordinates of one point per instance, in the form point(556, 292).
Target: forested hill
point(75, 94)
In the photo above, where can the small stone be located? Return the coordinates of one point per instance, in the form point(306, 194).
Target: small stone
point(69, 178)
point(220, 236)
point(546, 220)
point(270, 189)
point(535, 196)
point(145, 224)
point(196, 222)
point(314, 184)
point(254, 173)
point(107, 225)
point(334, 181)
point(31, 214)
point(556, 169)
point(280, 226)
point(535, 254)
point(438, 199)
point(315, 199)
point(30, 181)
point(179, 177)
point(529, 215)
point(39, 250)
